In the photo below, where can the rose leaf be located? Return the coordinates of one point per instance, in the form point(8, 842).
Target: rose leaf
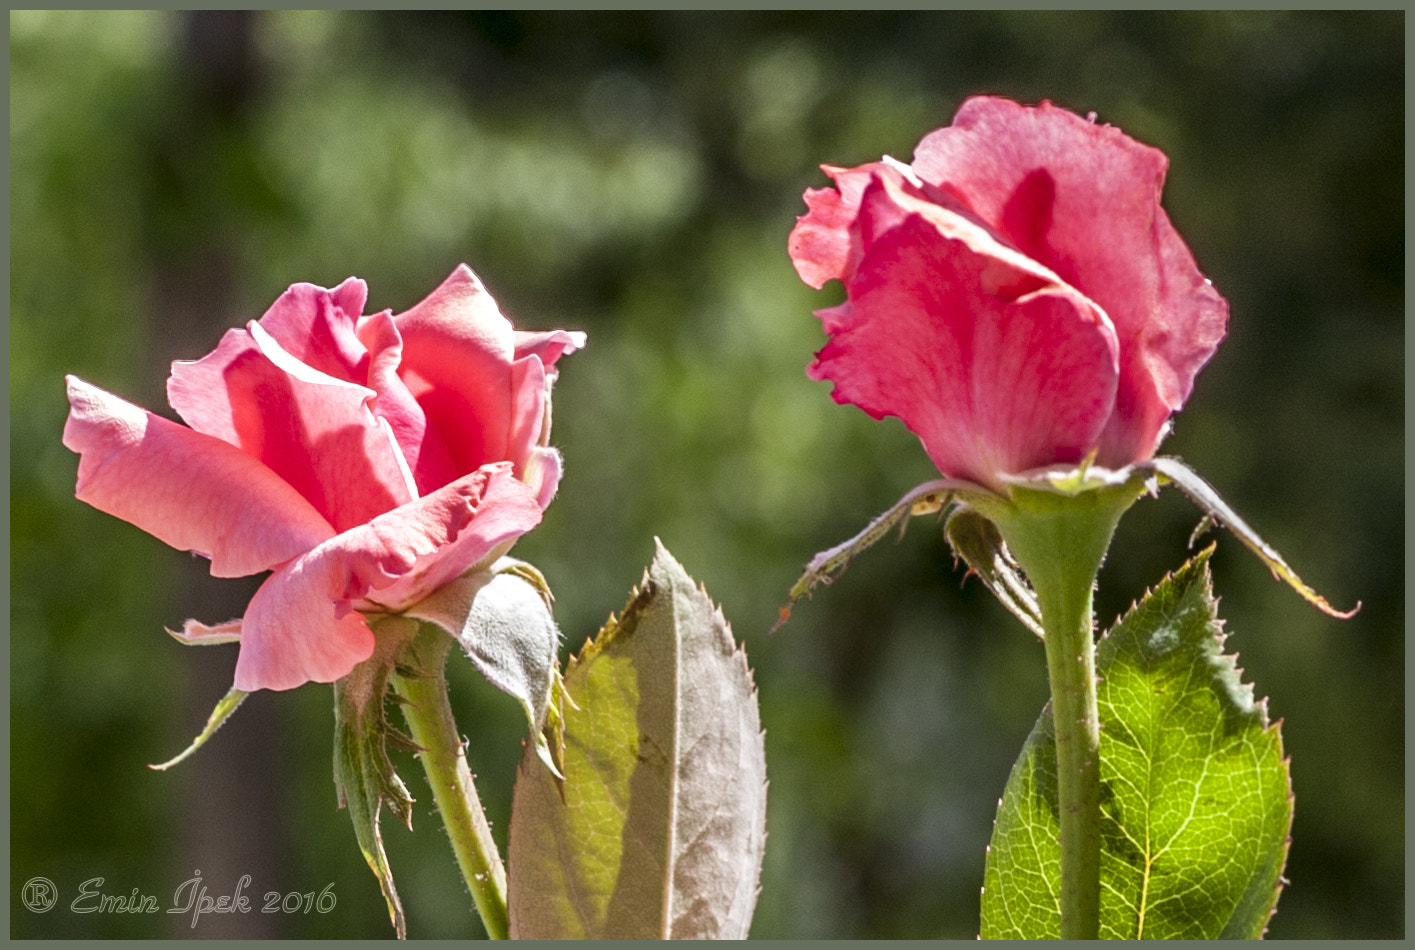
point(661, 827)
point(1195, 794)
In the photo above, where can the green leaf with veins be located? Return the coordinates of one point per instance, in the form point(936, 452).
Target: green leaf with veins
point(1196, 800)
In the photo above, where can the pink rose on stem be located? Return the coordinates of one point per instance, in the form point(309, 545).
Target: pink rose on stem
point(1017, 296)
point(365, 460)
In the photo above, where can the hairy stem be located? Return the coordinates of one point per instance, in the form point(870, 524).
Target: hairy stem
point(1060, 541)
point(1071, 669)
point(444, 760)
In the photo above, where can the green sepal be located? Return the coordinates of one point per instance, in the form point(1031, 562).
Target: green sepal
point(829, 564)
point(977, 541)
point(218, 717)
point(400, 740)
point(363, 773)
point(410, 672)
point(1217, 511)
point(502, 619)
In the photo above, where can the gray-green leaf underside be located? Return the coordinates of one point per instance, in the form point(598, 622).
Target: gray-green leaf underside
point(661, 827)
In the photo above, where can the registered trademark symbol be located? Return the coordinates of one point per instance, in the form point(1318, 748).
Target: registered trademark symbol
point(39, 894)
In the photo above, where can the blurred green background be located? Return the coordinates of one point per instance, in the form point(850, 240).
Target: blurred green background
point(636, 176)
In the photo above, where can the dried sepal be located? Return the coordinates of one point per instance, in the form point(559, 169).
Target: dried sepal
point(829, 564)
point(977, 541)
point(1217, 511)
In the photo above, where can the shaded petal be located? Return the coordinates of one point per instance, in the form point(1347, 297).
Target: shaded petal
point(313, 429)
point(891, 199)
point(1083, 200)
point(422, 445)
point(1164, 356)
point(499, 509)
point(530, 396)
point(317, 327)
point(292, 633)
point(302, 626)
point(190, 490)
point(991, 382)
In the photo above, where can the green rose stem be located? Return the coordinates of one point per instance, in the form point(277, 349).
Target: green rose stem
point(444, 760)
point(1060, 541)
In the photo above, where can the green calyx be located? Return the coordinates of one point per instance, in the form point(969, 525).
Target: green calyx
point(363, 773)
point(1059, 531)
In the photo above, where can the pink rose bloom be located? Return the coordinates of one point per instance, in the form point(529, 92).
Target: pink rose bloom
point(365, 460)
point(1017, 296)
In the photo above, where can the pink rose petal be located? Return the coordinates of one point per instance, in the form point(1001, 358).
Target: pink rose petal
point(457, 352)
point(927, 338)
point(317, 327)
point(549, 345)
point(529, 395)
point(422, 445)
point(292, 633)
point(542, 475)
point(500, 508)
point(820, 244)
point(301, 625)
point(1084, 200)
point(187, 489)
point(314, 430)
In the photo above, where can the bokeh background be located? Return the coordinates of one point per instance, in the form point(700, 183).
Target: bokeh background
point(636, 176)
